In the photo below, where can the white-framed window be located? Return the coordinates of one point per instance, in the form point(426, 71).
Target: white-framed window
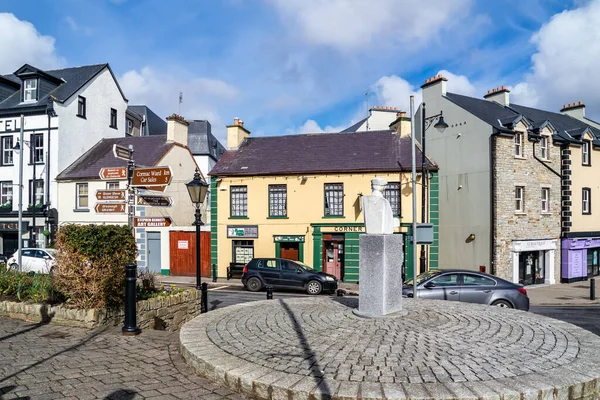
point(81, 196)
point(129, 128)
point(544, 149)
point(520, 198)
point(30, 90)
point(7, 150)
point(519, 144)
point(36, 199)
point(586, 201)
point(6, 193)
point(585, 153)
point(37, 148)
point(112, 185)
point(545, 200)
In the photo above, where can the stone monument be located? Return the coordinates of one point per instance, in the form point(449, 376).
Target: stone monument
point(380, 258)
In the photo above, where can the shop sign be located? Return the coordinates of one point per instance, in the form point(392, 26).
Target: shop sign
point(359, 229)
point(13, 226)
point(182, 244)
point(289, 238)
point(247, 231)
point(534, 245)
point(584, 243)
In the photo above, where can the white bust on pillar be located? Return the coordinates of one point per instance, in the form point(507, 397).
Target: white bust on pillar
point(379, 219)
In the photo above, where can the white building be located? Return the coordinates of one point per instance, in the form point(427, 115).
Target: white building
point(380, 118)
point(65, 113)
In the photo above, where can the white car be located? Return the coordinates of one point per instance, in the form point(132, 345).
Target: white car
point(34, 260)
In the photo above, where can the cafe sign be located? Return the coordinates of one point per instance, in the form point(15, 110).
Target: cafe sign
point(243, 231)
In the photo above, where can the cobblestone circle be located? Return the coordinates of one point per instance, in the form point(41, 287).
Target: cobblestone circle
point(291, 348)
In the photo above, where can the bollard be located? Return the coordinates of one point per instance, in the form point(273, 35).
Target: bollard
point(340, 292)
point(130, 327)
point(592, 289)
point(269, 293)
point(214, 272)
point(204, 299)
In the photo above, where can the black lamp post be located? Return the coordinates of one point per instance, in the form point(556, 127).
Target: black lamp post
point(440, 125)
point(197, 189)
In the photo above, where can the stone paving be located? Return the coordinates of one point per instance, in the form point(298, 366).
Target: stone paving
point(296, 348)
point(53, 362)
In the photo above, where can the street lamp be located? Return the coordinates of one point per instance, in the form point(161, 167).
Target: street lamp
point(440, 125)
point(197, 189)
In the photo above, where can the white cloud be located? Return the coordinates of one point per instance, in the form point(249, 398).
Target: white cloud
point(356, 24)
point(458, 84)
point(21, 43)
point(312, 126)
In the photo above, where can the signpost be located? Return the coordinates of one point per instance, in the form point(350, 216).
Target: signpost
point(113, 173)
point(110, 208)
point(121, 152)
point(154, 176)
point(111, 195)
point(154, 201)
point(151, 222)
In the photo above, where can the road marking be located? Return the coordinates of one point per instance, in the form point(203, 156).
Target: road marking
point(219, 288)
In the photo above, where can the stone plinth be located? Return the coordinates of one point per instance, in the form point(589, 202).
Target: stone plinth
point(380, 275)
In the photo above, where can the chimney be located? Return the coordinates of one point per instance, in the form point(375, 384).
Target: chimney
point(434, 87)
point(177, 129)
point(500, 95)
point(236, 134)
point(575, 110)
point(401, 125)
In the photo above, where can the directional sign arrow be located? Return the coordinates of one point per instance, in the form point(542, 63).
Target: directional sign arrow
point(111, 195)
point(151, 222)
point(110, 208)
point(154, 201)
point(154, 176)
point(121, 152)
point(113, 173)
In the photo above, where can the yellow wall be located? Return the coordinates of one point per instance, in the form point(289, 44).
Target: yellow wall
point(305, 206)
point(585, 176)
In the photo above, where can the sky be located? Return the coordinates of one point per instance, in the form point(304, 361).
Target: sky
point(300, 66)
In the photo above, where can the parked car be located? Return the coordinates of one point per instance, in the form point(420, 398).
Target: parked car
point(3, 258)
point(34, 260)
point(280, 272)
point(469, 287)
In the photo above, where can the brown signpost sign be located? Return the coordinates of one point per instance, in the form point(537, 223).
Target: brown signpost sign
point(111, 195)
point(113, 173)
point(154, 176)
point(151, 222)
point(110, 208)
point(153, 188)
point(154, 201)
point(120, 152)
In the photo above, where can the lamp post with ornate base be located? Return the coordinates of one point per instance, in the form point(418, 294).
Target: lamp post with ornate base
point(197, 189)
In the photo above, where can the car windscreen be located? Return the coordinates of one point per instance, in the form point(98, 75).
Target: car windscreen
point(422, 277)
point(304, 266)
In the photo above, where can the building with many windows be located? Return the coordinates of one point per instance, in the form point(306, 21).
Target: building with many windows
point(299, 196)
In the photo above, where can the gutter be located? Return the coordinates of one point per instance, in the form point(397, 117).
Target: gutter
point(493, 202)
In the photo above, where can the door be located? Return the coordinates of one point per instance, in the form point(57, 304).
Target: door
point(476, 288)
point(290, 250)
point(269, 271)
point(290, 274)
point(442, 287)
point(182, 248)
point(333, 258)
point(154, 252)
point(10, 245)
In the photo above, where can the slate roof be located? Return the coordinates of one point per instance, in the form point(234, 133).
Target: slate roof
point(155, 125)
point(373, 151)
point(354, 127)
point(148, 150)
point(201, 141)
point(72, 79)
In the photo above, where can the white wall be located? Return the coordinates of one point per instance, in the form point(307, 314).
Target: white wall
point(379, 121)
point(68, 213)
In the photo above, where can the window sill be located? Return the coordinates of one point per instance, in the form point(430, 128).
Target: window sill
point(278, 217)
point(520, 157)
point(37, 163)
point(81, 116)
point(586, 165)
point(238, 217)
point(334, 216)
point(520, 213)
point(586, 213)
point(547, 213)
point(81, 210)
point(114, 127)
point(7, 165)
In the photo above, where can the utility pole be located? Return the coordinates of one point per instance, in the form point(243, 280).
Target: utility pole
point(130, 190)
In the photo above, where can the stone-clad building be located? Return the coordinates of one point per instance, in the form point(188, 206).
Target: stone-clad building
point(516, 186)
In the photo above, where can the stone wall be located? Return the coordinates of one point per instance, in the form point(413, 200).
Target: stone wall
point(511, 171)
point(161, 313)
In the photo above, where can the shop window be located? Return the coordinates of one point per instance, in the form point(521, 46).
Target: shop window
point(532, 267)
point(334, 199)
point(243, 251)
point(277, 200)
point(239, 201)
point(593, 262)
point(392, 194)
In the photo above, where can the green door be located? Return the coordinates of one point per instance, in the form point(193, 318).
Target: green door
point(408, 256)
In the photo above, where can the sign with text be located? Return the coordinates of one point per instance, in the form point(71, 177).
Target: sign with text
point(113, 173)
point(110, 208)
point(182, 244)
point(111, 195)
point(121, 152)
point(151, 222)
point(154, 201)
point(243, 231)
point(359, 229)
point(154, 176)
point(153, 188)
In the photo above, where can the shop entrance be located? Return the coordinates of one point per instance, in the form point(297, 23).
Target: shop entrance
point(593, 261)
point(10, 243)
point(532, 267)
point(333, 255)
point(290, 250)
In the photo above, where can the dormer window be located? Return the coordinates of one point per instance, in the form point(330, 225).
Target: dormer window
point(30, 90)
point(518, 144)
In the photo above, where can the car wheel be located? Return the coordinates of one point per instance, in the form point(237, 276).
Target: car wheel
point(314, 287)
point(502, 303)
point(254, 284)
point(13, 267)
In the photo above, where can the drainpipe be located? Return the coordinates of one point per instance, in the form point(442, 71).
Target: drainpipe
point(544, 164)
point(492, 203)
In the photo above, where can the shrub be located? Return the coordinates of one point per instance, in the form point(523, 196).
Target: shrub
point(90, 264)
point(28, 287)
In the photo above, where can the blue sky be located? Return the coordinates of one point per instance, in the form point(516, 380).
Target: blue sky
point(293, 66)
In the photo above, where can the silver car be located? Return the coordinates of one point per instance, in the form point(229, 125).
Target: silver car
point(469, 287)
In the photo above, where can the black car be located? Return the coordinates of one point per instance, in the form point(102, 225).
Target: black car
point(280, 272)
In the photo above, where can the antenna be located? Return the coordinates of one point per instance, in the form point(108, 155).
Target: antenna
point(180, 101)
point(367, 94)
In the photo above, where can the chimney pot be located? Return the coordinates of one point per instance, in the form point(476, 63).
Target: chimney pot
point(402, 114)
point(503, 87)
point(236, 121)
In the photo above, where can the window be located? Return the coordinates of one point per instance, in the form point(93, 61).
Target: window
point(30, 92)
point(37, 148)
point(334, 199)
point(39, 193)
point(476, 280)
point(7, 151)
point(81, 196)
point(81, 107)
point(545, 200)
point(243, 251)
point(112, 185)
point(586, 201)
point(277, 200)
point(445, 280)
point(6, 193)
point(520, 198)
point(519, 144)
point(113, 118)
point(392, 194)
point(239, 201)
point(544, 148)
point(267, 264)
point(129, 128)
point(585, 153)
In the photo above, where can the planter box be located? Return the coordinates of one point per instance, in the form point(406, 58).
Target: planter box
point(162, 313)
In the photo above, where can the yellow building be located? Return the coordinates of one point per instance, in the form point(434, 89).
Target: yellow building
point(299, 196)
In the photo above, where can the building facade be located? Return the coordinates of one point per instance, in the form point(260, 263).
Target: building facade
point(299, 197)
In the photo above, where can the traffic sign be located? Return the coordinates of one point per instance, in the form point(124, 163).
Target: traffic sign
point(113, 173)
point(111, 195)
point(151, 222)
point(121, 152)
point(110, 208)
point(153, 176)
point(154, 201)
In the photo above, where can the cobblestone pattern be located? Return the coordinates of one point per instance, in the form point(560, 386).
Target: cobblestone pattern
point(444, 350)
point(53, 362)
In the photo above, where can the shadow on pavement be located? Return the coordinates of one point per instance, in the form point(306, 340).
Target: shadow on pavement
point(45, 320)
point(121, 394)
